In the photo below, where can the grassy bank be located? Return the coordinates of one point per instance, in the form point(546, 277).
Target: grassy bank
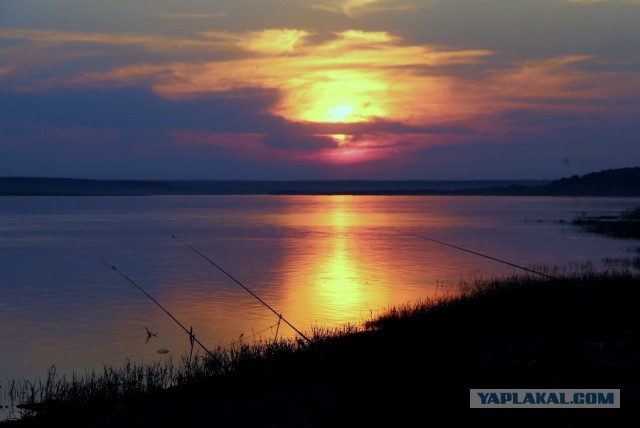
point(417, 361)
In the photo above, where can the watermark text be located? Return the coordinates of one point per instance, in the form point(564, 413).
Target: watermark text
point(532, 398)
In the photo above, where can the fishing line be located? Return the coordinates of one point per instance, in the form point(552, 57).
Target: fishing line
point(192, 337)
point(243, 286)
point(479, 254)
point(257, 333)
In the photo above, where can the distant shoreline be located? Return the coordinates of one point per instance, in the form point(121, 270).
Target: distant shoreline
point(34, 186)
point(618, 182)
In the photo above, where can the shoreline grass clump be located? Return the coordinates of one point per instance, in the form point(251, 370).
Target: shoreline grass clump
point(626, 225)
point(416, 361)
point(106, 390)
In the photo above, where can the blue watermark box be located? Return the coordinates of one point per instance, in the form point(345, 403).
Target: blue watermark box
point(544, 398)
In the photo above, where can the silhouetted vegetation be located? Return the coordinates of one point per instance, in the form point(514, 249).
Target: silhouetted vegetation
point(613, 182)
point(416, 362)
point(625, 225)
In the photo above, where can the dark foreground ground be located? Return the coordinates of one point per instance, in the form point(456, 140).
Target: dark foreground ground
point(416, 366)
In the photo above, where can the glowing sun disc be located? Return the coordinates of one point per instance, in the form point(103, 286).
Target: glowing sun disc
point(339, 113)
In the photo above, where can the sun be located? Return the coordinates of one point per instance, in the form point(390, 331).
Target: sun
point(336, 96)
point(340, 113)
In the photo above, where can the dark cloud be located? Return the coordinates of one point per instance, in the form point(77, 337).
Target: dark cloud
point(299, 142)
point(127, 108)
point(378, 126)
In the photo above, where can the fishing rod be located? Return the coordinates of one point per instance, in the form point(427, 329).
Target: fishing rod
point(480, 254)
point(192, 337)
point(243, 286)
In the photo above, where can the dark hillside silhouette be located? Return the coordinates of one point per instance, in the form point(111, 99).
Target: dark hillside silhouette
point(612, 182)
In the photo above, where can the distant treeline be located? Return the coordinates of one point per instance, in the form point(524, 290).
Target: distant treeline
point(615, 182)
point(612, 182)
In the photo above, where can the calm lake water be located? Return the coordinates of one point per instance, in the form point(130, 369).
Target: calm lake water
point(320, 261)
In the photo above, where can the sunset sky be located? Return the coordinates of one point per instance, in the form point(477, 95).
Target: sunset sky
point(311, 89)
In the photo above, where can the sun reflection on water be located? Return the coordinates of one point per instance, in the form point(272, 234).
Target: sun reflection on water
point(336, 279)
